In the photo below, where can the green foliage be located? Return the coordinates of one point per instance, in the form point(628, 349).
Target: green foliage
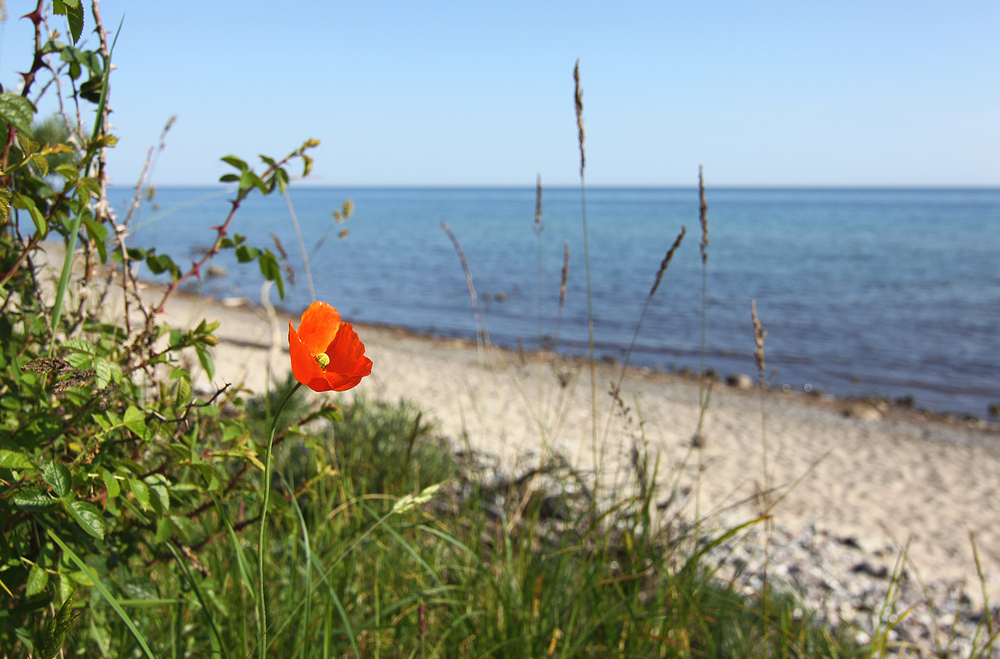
point(110, 462)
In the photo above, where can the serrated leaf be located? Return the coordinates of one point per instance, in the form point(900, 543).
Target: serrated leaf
point(110, 483)
point(41, 163)
point(184, 391)
point(87, 516)
point(38, 578)
point(135, 421)
point(235, 162)
point(248, 180)
point(281, 176)
point(90, 185)
point(67, 171)
point(158, 486)
point(103, 370)
point(164, 530)
point(74, 15)
point(13, 460)
point(34, 499)
point(41, 226)
point(4, 204)
point(80, 345)
point(140, 491)
point(57, 475)
point(101, 421)
point(116, 372)
point(206, 360)
point(99, 234)
point(16, 111)
point(79, 360)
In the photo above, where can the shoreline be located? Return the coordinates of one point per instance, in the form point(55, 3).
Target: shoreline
point(867, 406)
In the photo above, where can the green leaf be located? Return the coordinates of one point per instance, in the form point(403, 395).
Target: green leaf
point(135, 421)
point(164, 530)
point(235, 162)
point(110, 483)
point(158, 486)
point(49, 643)
point(40, 224)
point(74, 15)
point(80, 345)
point(229, 178)
point(141, 492)
point(245, 254)
point(102, 368)
point(281, 176)
point(99, 234)
point(272, 271)
point(91, 90)
point(206, 359)
point(87, 516)
point(16, 111)
point(4, 204)
point(249, 180)
point(184, 391)
point(13, 460)
point(58, 477)
point(38, 578)
point(67, 171)
point(27, 203)
point(91, 185)
point(34, 499)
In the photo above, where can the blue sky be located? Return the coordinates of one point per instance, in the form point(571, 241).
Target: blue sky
point(468, 93)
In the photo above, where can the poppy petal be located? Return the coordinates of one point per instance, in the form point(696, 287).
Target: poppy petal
point(319, 326)
point(304, 365)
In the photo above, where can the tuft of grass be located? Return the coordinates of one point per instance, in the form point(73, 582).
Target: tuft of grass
point(381, 543)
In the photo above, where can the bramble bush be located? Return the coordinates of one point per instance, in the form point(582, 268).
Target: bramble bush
point(108, 460)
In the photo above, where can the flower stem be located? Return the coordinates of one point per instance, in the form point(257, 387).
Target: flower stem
point(261, 601)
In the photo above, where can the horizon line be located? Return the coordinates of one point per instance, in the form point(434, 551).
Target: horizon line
point(618, 186)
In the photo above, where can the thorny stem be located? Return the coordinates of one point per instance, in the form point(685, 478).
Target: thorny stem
point(220, 233)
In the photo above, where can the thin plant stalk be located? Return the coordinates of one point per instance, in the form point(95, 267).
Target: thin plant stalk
point(302, 245)
point(578, 101)
point(261, 597)
point(538, 227)
point(765, 498)
point(642, 317)
point(704, 384)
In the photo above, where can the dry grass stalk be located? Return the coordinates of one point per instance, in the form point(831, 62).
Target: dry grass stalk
point(481, 333)
point(703, 217)
point(538, 226)
point(758, 336)
point(666, 261)
point(565, 276)
point(578, 98)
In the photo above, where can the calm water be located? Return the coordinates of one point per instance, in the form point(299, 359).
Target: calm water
point(889, 292)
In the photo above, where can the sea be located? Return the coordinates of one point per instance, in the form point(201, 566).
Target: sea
point(891, 293)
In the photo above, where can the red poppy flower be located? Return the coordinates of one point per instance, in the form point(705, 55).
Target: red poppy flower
point(327, 354)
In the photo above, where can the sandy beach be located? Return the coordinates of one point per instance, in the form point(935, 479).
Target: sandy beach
point(861, 477)
point(880, 477)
